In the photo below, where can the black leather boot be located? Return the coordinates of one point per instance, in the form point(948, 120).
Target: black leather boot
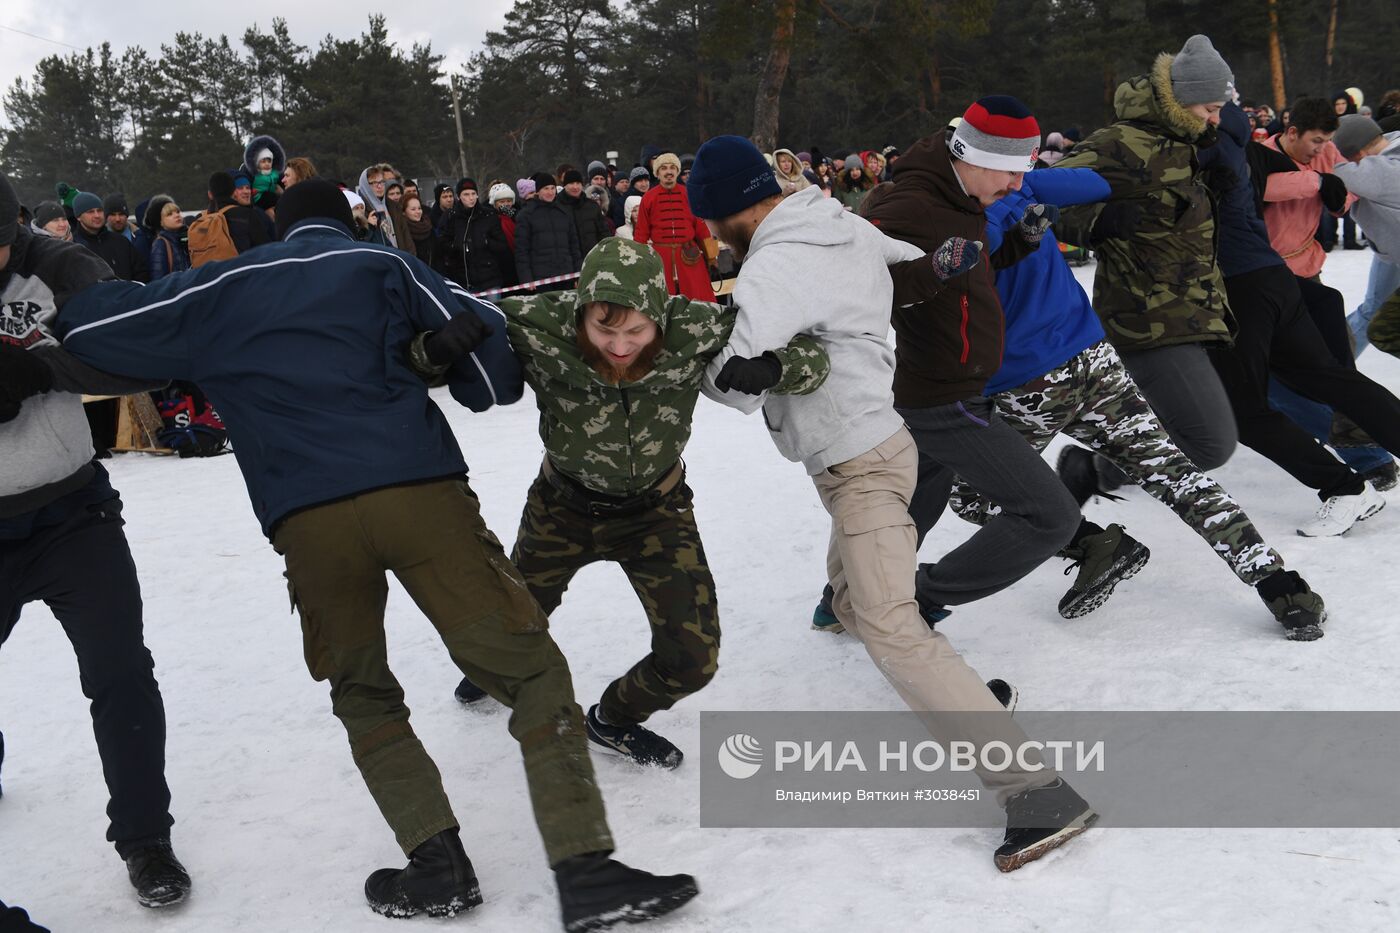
point(438, 880)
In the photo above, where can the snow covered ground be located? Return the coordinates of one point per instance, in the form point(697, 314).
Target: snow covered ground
point(279, 833)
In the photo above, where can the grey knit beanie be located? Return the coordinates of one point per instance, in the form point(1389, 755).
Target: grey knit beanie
point(1354, 133)
point(1200, 75)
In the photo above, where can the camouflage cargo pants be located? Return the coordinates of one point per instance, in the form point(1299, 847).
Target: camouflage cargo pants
point(1384, 330)
point(658, 545)
point(1093, 400)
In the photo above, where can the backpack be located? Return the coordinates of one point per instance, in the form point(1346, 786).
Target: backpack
point(190, 431)
point(209, 238)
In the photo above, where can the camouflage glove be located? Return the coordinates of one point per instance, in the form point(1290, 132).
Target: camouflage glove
point(1333, 191)
point(1036, 219)
point(955, 257)
point(749, 376)
point(22, 374)
point(463, 334)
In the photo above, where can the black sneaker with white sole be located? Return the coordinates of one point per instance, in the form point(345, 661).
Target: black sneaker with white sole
point(1041, 819)
point(636, 742)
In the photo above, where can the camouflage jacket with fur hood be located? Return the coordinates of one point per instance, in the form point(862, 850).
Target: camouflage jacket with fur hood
point(619, 439)
point(1157, 283)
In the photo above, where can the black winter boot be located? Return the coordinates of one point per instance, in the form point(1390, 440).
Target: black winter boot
point(1297, 608)
point(1105, 558)
point(596, 892)
point(1079, 471)
point(468, 692)
point(157, 875)
point(438, 881)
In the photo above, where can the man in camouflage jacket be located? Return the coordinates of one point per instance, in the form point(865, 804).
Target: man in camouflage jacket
point(612, 486)
point(1158, 288)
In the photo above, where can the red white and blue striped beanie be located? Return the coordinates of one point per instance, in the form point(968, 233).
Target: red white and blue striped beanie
point(999, 133)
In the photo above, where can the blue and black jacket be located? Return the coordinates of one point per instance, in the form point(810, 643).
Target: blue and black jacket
point(1049, 320)
point(302, 347)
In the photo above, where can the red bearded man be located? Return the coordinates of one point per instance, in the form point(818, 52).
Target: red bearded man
point(665, 221)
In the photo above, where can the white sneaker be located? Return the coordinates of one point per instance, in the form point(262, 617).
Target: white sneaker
point(1339, 513)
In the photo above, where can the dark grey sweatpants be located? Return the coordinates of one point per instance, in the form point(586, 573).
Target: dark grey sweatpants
point(1185, 391)
point(1038, 516)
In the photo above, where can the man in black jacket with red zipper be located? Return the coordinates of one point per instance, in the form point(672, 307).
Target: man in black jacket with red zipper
point(949, 345)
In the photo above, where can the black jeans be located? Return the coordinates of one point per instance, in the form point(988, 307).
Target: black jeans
point(82, 568)
point(1277, 333)
point(1038, 516)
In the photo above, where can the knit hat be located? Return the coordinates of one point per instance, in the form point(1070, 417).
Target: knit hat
point(500, 191)
point(221, 186)
point(241, 179)
point(666, 158)
point(154, 208)
point(597, 168)
point(573, 175)
point(1055, 140)
point(687, 160)
point(543, 180)
point(1354, 133)
point(805, 157)
point(85, 201)
point(9, 212)
point(47, 212)
point(525, 187)
point(997, 133)
point(468, 184)
point(352, 199)
point(262, 154)
point(314, 197)
point(1200, 75)
point(729, 175)
point(115, 204)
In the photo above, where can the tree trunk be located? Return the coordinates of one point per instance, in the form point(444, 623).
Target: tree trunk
point(770, 83)
point(1276, 59)
point(1331, 42)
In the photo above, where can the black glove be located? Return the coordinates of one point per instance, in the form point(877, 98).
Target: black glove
point(1036, 219)
point(463, 334)
point(22, 374)
point(1117, 221)
point(750, 376)
point(1333, 191)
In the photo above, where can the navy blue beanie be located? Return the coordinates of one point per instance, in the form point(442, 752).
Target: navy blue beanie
point(729, 175)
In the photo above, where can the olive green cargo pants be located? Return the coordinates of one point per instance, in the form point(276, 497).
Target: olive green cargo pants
point(432, 538)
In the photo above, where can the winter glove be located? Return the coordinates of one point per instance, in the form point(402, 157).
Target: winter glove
point(1333, 191)
point(1117, 221)
point(22, 374)
point(1035, 221)
point(750, 376)
point(463, 334)
point(955, 257)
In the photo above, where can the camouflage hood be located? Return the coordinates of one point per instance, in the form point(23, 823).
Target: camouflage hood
point(627, 273)
point(1149, 99)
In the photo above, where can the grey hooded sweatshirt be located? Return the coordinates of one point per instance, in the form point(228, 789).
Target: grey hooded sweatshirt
point(46, 451)
point(814, 268)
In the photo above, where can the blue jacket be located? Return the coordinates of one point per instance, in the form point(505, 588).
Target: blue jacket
point(301, 346)
point(168, 255)
point(1049, 320)
point(1243, 239)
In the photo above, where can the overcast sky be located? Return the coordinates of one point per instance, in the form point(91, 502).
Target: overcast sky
point(455, 27)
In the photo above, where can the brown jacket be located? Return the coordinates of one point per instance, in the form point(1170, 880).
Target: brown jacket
point(949, 339)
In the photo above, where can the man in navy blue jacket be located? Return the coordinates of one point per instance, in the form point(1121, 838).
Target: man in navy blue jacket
point(353, 471)
point(1059, 374)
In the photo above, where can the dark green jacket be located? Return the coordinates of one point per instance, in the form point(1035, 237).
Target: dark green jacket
point(1160, 284)
point(619, 439)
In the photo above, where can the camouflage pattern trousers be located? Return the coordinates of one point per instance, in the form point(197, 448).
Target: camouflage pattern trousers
point(1093, 400)
point(1384, 330)
point(656, 541)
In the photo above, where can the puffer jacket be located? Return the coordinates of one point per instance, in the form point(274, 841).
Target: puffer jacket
point(546, 241)
point(475, 253)
point(621, 438)
point(588, 217)
point(1159, 284)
